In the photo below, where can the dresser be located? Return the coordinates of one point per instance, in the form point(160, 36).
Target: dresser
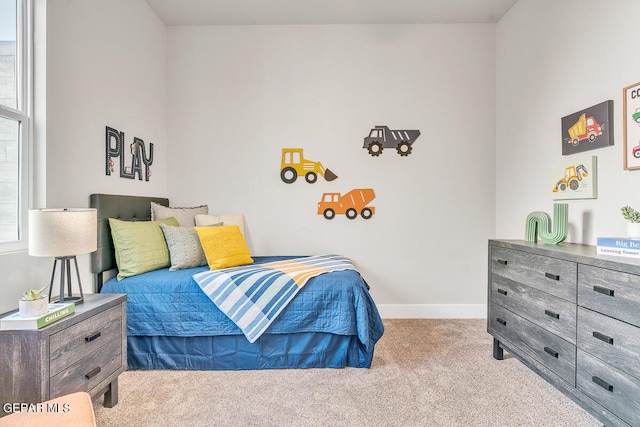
point(82, 352)
point(574, 318)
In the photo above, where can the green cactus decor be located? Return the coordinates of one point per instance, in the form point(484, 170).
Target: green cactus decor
point(539, 223)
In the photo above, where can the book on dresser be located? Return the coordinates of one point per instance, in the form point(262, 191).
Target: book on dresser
point(619, 246)
point(56, 312)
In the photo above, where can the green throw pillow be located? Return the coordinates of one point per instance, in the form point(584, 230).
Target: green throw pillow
point(140, 246)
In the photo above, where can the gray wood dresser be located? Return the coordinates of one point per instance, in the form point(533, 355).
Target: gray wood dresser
point(83, 352)
point(574, 318)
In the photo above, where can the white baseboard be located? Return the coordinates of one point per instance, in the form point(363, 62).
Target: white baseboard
point(432, 311)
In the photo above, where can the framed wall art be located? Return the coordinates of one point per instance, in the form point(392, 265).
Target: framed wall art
point(588, 129)
point(574, 178)
point(631, 125)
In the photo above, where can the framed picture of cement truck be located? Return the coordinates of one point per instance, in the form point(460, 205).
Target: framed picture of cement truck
point(631, 126)
point(574, 178)
point(588, 129)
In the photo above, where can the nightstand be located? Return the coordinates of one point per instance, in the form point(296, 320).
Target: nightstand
point(83, 352)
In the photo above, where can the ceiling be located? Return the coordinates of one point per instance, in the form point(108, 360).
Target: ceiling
point(285, 12)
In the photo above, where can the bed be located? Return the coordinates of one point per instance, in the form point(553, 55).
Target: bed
point(332, 322)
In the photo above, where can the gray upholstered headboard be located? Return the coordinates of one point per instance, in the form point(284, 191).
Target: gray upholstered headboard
point(128, 208)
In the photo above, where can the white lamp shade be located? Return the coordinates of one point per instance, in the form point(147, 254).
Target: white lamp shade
point(62, 232)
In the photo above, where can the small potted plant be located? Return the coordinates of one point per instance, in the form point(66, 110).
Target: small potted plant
point(633, 226)
point(33, 303)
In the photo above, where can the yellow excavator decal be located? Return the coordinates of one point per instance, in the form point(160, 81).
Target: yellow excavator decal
point(293, 164)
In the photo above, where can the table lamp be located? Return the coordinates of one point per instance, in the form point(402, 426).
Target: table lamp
point(63, 234)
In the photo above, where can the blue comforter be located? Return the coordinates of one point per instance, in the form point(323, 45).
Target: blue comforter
point(170, 303)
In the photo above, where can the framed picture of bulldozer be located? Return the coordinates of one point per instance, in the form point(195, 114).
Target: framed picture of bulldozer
point(631, 125)
point(574, 178)
point(588, 129)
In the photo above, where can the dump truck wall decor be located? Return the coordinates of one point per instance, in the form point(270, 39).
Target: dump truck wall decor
point(350, 204)
point(293, 164)
point(588, 129)
point(584, 128)
point(381, 137)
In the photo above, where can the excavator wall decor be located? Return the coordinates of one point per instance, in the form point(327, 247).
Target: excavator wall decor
point(571, 179)
point(577, 179)
point(293, 164)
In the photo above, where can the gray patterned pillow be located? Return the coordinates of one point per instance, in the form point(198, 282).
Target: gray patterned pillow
point(185, 216)
point(185, 249)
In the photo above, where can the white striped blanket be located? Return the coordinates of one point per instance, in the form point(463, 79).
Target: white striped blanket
point(252, 296)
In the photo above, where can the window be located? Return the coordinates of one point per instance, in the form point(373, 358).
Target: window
point(14, 122)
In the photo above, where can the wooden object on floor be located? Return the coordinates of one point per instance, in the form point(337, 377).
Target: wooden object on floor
point(82, 352)
point(574, 318)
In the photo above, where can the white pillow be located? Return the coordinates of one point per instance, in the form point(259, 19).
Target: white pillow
point(226, 219)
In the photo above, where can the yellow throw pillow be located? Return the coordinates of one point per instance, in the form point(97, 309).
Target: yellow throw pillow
point(224, 246)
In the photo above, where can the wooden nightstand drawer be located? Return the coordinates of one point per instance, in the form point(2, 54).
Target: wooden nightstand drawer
point(554, 314)
point(553, 276)
point(609, 292)
point(89, 371)
point(72, 344)
point(552, 351)
point(609, 387)
point(609, 339)
point(40, 364)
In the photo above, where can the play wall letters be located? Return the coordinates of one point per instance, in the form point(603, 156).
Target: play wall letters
point(138, 153)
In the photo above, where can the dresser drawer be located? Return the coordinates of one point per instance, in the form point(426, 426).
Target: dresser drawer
point(608, 339)
point(554, 276)
point(71, 344)
point(610, 292)
point(609, 387)
point(552, 313)
point(555, 353)
point(88, 372)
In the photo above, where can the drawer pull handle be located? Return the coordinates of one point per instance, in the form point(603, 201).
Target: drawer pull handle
point(92, 337)
point(552, 314)
point(604, 291)
point(501, 321)
point(502, 261)
point(92, 373)
point(603, 337)
point(551, 351)
point(551, 276)
point(502, 291)
point(602, 383)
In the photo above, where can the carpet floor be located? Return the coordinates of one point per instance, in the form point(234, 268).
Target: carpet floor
point(425, 372)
